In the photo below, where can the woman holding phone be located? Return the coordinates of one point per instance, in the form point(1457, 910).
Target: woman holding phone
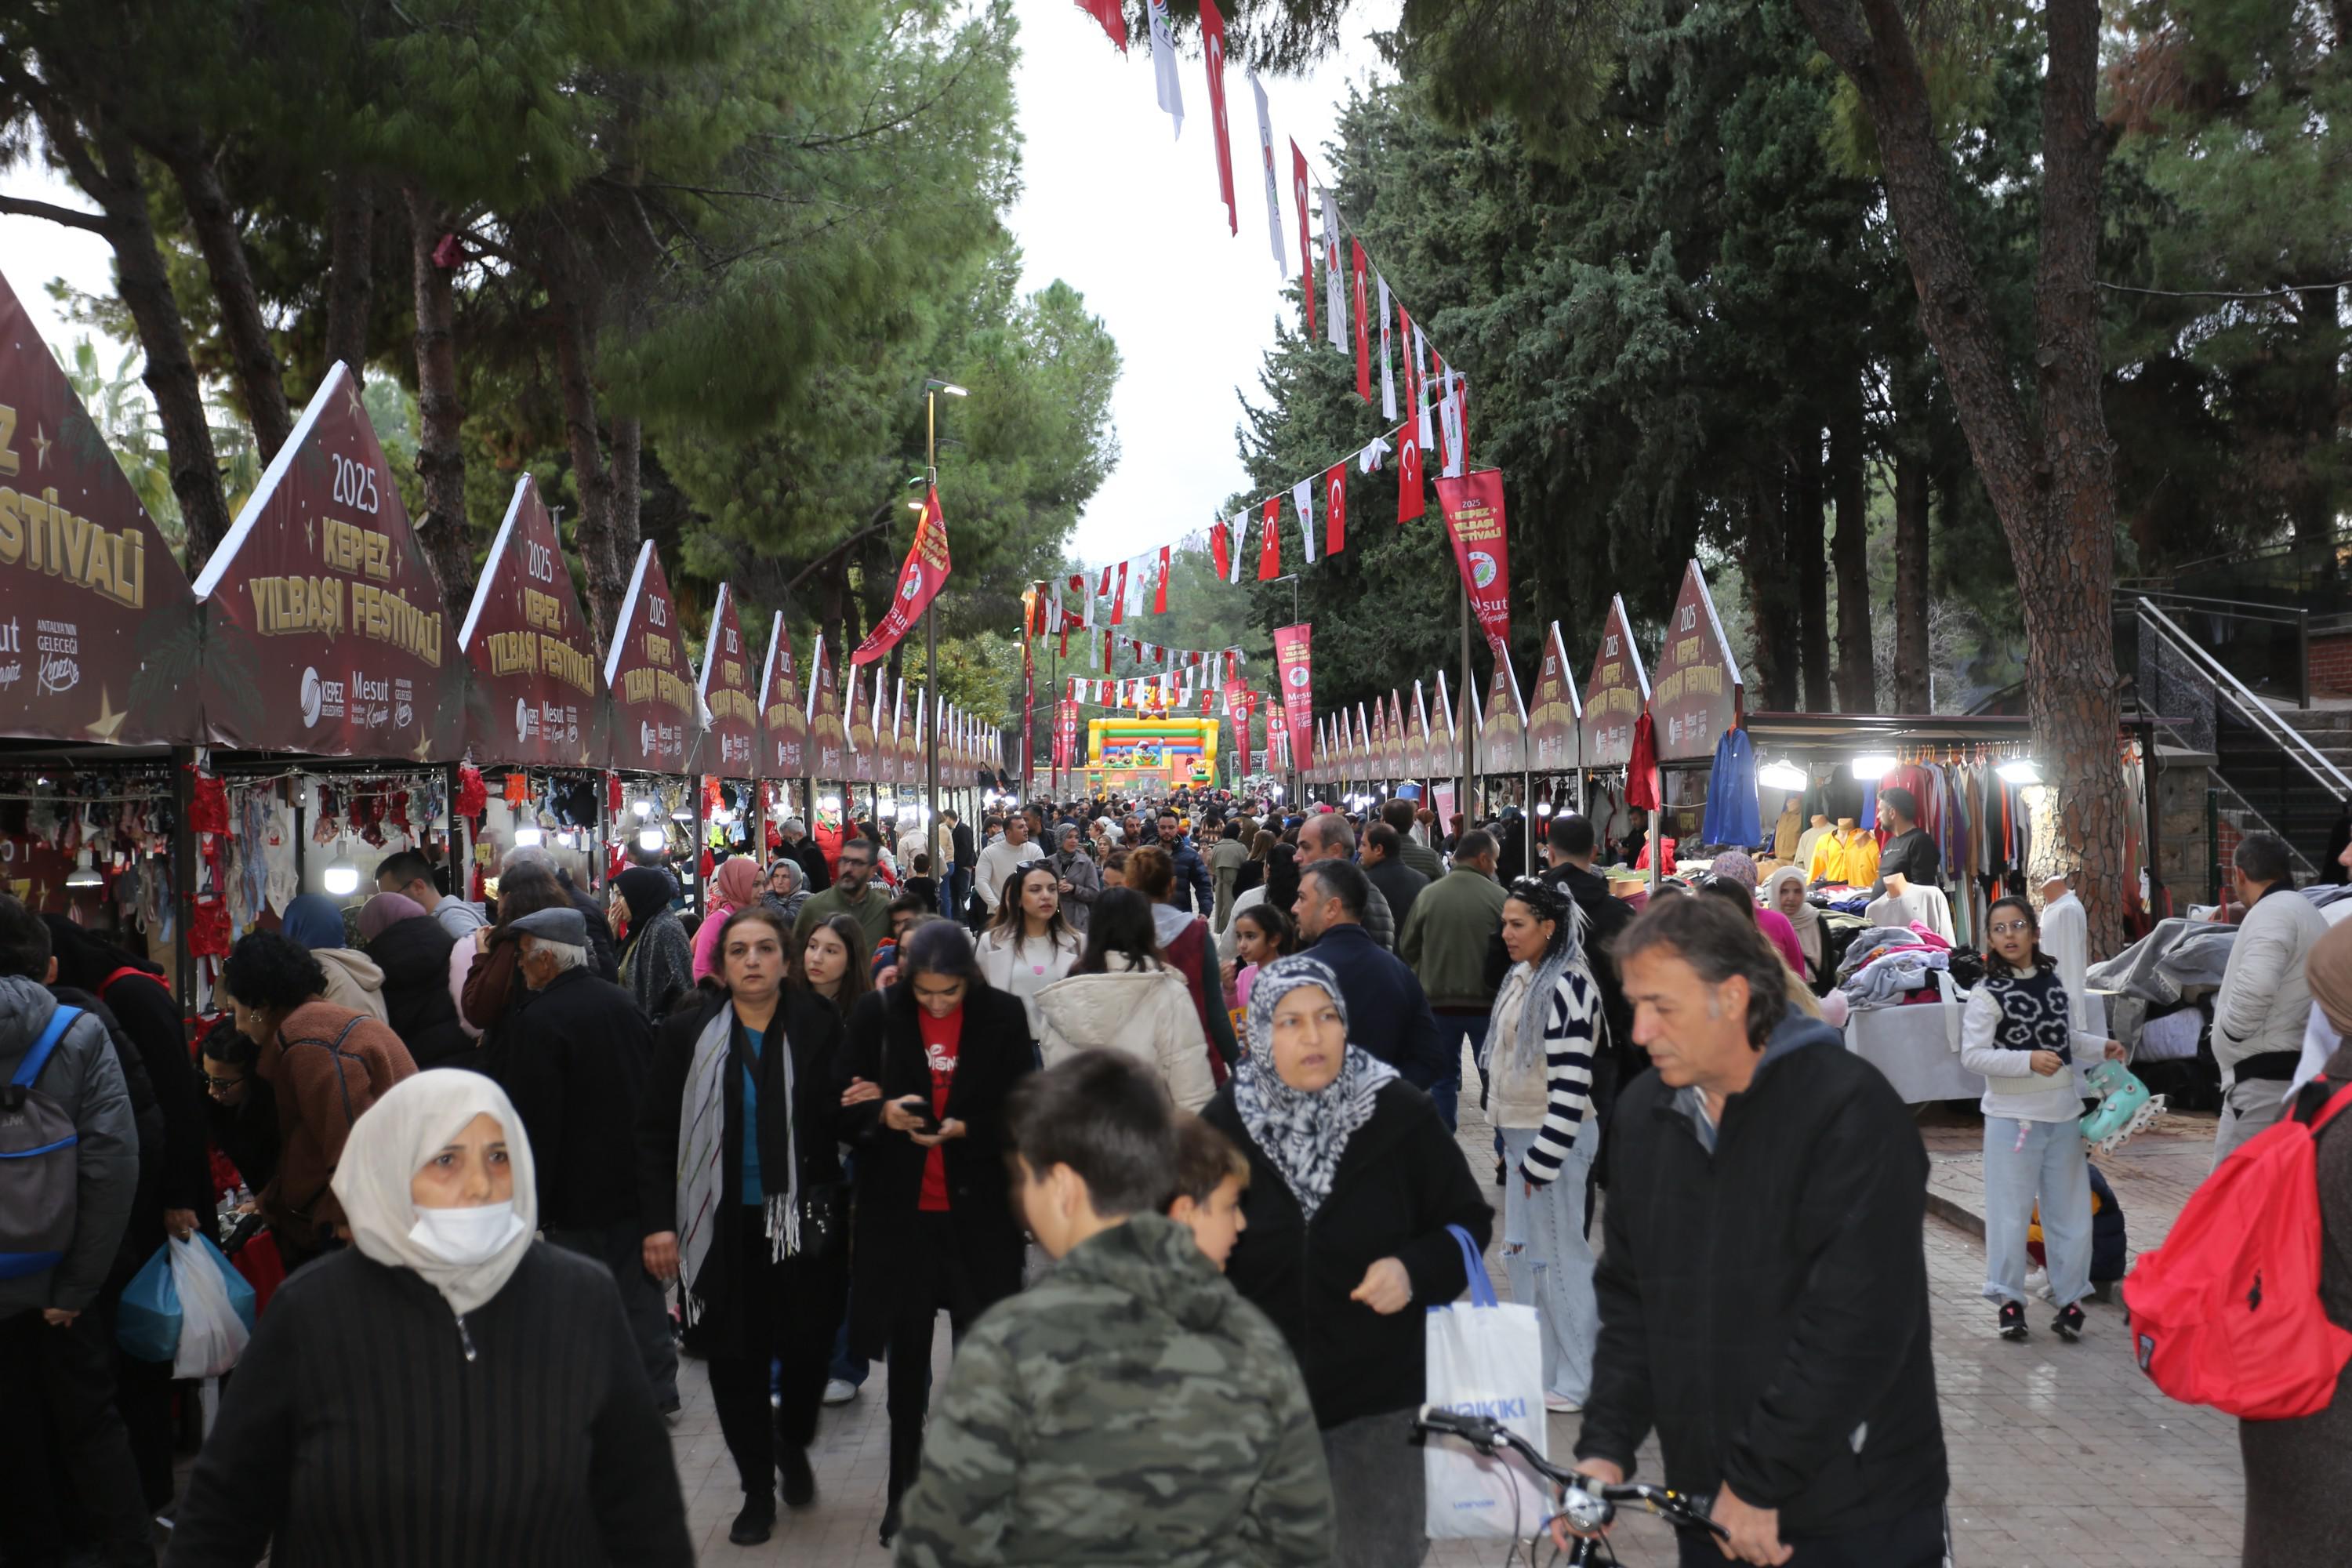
point(933, 1060)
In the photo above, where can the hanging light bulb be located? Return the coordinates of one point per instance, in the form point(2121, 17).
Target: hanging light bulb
point(529, 837)
point(650, 838)
point(1543, 808)
point(566, 839)
point(1782, 774)
point(84, 874)
point(1872, 768)
point(2019, 771)
point(644, 808)
point(341, 879)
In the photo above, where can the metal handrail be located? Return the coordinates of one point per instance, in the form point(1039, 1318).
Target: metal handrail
point(2289, 738)
point(2279, 614)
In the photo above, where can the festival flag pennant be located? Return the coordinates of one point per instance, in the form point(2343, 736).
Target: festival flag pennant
point(1221, 548)
point(1118, 605)
point(1411, 500)
point(1163, 65)
point(1451, 424)
point(1306, 250)
point(1335, 508)
point(1420, 358)
point(1388, 377)
point(1241, 539)
point(1335, 282)
point(1212, 52)
point(1302, 497)
point(1273, 181)
point(1363, 343)
point(921, 578)
point(1269, 547)
point(1159, 599)
point(1112, 17)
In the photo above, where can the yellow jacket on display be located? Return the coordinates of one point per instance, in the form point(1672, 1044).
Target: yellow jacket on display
point(1848, 857)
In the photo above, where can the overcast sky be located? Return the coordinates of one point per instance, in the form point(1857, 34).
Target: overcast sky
point(1111, 203)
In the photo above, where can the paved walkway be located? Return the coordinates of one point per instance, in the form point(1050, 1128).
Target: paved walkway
point(2062, 1456)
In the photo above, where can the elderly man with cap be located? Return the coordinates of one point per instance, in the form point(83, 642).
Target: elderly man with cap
point(575, 1066)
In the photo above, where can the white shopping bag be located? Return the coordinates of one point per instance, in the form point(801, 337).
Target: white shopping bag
point(212, 1335)
point(1486, 1358)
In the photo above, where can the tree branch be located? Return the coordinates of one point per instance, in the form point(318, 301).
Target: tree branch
point(17, 206)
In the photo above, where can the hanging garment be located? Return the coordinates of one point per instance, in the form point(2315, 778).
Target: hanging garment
point(280, 879)
point(1731, 816)
point(1641, 773)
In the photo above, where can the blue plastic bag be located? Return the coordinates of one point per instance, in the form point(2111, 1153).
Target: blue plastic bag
point(147, 1324)
point(151, 1320)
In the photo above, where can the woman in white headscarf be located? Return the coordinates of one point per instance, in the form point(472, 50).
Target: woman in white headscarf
point(1355, 1186)
point(1784, 890)
point(446, 1390)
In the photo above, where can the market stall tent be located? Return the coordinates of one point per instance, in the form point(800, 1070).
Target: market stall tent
point(1698, 692)
point(730, 709)
point(533, 695)
point(655, 713)
point(828, 743)
point(1555, 716)
point(324, 631)
point(1502, 735)
point(100, 637)
point(1616, 695)
point(783, 732)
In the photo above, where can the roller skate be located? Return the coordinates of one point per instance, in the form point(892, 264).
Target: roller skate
point(2125, 1106)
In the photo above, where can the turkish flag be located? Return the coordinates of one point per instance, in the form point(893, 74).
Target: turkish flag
point(1221, 546)
point(1363, 342)
point(1159, 599)
point(1269, 549)
point(921, 577)
point(1335, 508)
point(1112, 18)
point(1119, 605)
point(1409, 496)
point(1213, 49)
point(1306, 249)
point(1411, 371)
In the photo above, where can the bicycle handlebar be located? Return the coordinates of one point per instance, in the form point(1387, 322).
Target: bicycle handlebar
point(1587, 1507)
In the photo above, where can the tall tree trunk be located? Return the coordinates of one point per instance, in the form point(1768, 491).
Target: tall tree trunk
point(1807, 568)
point(1914, 693)
point(628, 451)
point(350, 270)
point(1763, 560)
point(106, 167)
point(253, 357)
point(440, 455)
point(602, 562)
point(1857, 683)
point(2048, 478)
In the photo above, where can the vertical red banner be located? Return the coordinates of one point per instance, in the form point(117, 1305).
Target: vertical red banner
point(1269, 547)
point(1028, 706)
point(1212, 49)
point(1335, 508)
point(1306, 247)
point(1472, 505)
point(1293, 665)
point(1363, 321)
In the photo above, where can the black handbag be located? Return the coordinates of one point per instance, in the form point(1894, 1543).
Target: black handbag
point(824, 1218)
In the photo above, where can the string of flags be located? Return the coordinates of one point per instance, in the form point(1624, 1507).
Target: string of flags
point(1352, 284)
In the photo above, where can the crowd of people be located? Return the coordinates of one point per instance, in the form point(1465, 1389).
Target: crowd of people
point(1203, 1055)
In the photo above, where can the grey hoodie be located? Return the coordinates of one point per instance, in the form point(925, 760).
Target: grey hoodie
point(84, 1079)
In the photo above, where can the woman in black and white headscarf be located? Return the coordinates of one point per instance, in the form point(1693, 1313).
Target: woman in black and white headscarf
point(1354, 1185)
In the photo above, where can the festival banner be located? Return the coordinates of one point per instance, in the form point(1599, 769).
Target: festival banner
point(1163, 68)
point(1269, 548)
point(1472, 505)
point(113, 636)
point(1555, 717)
point(1363, 342)
point(1213, 51)
point(534, 698)
point(1388, 370)
point(783, 723)
point(325, 632)
point(1335, 277)
point(1413, 495)
point(1273, 180)
point(1113, 17)
point(1697, 694)
point(731, 713)
point(1293, 661)
point(1305, 247)
point(1335, 508)
point(656, 715)
point(924, 573)
point(828, 741)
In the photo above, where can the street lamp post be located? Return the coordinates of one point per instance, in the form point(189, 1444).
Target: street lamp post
point(933, 387)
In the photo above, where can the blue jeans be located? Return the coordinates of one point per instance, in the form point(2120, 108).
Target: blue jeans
point(1548, 1260)
point(2024, 1160)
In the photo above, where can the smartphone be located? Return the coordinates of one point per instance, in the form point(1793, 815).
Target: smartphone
point(927, 1120)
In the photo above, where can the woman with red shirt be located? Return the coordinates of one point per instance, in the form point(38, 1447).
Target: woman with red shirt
point(935, 1224)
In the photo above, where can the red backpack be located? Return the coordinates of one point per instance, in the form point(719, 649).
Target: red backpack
point(2227, 1313)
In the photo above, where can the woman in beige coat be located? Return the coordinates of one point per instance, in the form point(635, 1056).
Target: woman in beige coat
point(1122, 997)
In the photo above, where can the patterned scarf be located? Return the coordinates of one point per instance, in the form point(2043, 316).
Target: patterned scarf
point(1303, 1132)
point(702, 1156)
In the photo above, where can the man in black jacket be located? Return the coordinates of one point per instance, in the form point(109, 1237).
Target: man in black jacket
point(807, 854)
point(1195, 891)
point(1569, 846)
point(1388, 1011)
point(1909, 851)
point(575, 1066)
point(1763, 1289)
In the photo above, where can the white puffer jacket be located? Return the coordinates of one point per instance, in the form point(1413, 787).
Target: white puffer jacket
point(1147, 1012)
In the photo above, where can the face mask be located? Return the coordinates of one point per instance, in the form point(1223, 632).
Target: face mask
point(465, 1235)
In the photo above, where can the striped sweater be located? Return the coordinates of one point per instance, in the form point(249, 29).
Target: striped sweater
point(1557, 1105)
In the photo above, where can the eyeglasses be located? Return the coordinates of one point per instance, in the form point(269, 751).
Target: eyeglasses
point(2012, 928)
point(223, 1085)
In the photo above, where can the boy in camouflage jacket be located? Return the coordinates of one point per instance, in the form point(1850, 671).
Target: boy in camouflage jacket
point(1129, 1407)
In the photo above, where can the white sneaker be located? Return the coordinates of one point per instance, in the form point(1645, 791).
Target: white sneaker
point(1561, 1404)
point(839, 1390)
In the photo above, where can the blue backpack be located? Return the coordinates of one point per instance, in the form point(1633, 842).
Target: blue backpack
point(40, 1162)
